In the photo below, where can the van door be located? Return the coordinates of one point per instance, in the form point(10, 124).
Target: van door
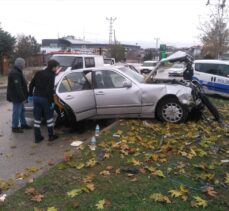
point(204, 74)
point(221, 80)
point(76, 91)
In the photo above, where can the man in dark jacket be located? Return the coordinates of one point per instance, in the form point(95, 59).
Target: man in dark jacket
point(42, 89)
point(17, 93)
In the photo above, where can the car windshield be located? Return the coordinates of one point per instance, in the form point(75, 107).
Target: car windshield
point(149, 64)
point(178, 66)
point(64, 61)
point(132, 74)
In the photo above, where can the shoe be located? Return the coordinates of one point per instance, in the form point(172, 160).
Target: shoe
point(53, 137)
point(17, 130)
point(39, 140)
point(26, 127)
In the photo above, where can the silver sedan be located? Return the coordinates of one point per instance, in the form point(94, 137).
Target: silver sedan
point(118, 92)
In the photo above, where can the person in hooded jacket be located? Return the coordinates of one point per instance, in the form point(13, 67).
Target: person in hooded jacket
point(17, 93)
point(41, 92)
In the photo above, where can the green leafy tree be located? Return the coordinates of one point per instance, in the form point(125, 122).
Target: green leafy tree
point(215, 33)
point(117, 51)
point(6, 43)
point(26, 46)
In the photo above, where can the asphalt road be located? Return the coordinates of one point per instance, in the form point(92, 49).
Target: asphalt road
point(18, 151)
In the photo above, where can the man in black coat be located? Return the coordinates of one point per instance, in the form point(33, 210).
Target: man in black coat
point(17, 93)
point(42, 89)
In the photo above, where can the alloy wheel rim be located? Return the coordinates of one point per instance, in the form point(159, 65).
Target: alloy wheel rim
point(172, 112)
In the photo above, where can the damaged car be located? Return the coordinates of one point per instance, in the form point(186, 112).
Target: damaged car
point(118, 92)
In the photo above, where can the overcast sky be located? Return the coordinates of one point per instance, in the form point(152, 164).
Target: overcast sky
point(175, 22)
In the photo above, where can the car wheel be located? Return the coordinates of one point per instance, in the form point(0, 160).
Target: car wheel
point(171, 110)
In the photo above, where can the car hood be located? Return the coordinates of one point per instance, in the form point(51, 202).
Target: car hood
point(179, 56)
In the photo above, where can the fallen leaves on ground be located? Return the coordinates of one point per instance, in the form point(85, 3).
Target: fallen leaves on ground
point(210, 191)
point(158, 197)
point(101, 204)
point(35, 195)
point(199, 202)
point(52, 209)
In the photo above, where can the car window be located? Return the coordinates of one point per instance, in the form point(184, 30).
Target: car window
point(108, 79)
point(89, 62)
point(78, 63)
point(74, 82)
point(133, 74)
point(178, 66)
point(149, 64)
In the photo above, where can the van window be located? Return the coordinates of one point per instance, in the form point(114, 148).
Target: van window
point(78, 63)
point(214, 69)
point(207, 68)
point(64, 61)
point(223, 70)
point(89, 62)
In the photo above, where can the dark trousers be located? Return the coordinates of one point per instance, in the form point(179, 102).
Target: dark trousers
point(42, 108)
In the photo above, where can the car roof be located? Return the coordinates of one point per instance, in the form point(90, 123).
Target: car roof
point(211, 61)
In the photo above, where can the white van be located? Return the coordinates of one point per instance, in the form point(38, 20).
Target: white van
point(213, 75)
point(69, 62)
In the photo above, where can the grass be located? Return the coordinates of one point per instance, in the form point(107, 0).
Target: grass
point(186, 154)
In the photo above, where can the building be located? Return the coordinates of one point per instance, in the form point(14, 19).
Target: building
point(70, 43)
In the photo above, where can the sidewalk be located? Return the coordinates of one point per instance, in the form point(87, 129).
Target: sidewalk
point(21, 159)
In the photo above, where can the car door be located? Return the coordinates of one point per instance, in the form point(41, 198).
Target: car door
point(76, 91)
point(112, 98)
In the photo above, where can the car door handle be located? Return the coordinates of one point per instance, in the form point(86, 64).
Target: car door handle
point(99, 93)
point(69, 97)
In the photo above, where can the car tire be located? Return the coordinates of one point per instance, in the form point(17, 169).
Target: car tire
point(171, 110)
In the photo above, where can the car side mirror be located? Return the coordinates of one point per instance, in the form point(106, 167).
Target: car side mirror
point(127, 84)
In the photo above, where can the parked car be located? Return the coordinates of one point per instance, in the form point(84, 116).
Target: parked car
point(213, 76)
point(176, 70)
point(147, 67)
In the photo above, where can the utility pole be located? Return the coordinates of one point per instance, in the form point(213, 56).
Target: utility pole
point(111, 21)
point(157, 51)
point(114, 38)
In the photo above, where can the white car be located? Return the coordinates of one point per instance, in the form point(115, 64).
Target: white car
point(147, 67)
point(176, 70)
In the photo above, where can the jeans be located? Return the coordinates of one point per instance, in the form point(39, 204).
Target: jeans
point(18, 115)
point(42, 109)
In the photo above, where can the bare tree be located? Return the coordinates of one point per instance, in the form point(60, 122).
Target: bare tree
point(214, 32)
